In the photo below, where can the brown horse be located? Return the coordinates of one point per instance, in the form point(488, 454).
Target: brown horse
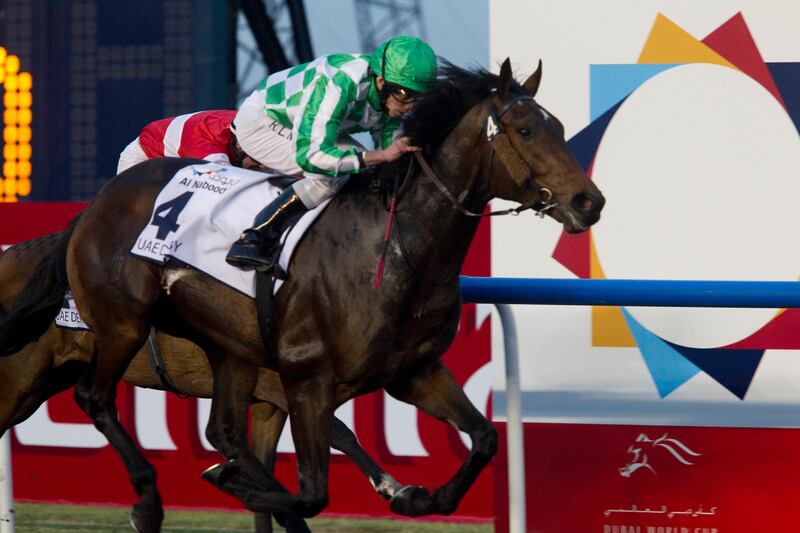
point(337, 337)
point(56, 360)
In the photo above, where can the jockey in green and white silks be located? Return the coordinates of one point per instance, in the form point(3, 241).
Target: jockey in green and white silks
point(299, 121)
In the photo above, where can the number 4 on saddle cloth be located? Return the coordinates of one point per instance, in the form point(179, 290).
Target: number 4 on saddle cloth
point(202, 210)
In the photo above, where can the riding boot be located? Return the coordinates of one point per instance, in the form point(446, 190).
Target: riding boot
point(257, 247)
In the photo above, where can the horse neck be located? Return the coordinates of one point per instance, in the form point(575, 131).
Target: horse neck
point(447, 232)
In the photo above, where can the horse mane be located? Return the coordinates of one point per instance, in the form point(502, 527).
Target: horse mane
point(456, 91)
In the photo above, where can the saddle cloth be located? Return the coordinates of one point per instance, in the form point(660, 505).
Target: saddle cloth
point(68, 316)
point(202, 210)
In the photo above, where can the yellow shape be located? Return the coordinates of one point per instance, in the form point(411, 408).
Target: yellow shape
point(10, 99)
point(10, 134)
point(24, 187)
point(595, 270)
point(9, 170)
point(24, 170)
point(10, 187)
point(669, 43)
point(609, 327)
point(25, 134)
point(10, 117)
point(24, 117)
point(3, 54)
point(25, 81)
point(23, 152)
point(11, 83)
point(10, 151)
point(25, 99)
point(12, 64)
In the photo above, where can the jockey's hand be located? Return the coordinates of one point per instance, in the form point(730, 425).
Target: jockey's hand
point(399, 147)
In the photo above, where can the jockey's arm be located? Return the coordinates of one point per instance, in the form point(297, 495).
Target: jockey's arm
point(389, 139)
point(399, 147)
point(318, 131)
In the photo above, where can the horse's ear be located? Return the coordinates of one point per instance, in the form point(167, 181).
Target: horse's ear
point(505, 78)
point(531, 85)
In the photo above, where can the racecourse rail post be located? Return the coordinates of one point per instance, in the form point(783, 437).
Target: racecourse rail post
point(6, 487)
point(617, 292)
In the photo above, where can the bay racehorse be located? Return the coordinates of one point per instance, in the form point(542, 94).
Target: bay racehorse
point(337, 337)
point(56, 360)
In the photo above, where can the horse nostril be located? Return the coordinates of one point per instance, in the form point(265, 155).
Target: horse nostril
point(586, 203)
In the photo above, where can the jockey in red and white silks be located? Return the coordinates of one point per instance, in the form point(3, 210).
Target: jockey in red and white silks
point(203, 135)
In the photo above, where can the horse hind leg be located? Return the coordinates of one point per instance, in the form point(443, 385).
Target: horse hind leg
point(434, 390)
point(95, 394)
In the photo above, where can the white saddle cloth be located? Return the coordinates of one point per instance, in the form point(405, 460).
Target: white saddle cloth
point(203, 210)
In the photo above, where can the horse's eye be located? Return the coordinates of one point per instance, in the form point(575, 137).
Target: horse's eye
point(525, 132)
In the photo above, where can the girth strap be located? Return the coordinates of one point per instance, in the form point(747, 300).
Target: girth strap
point(157, 362)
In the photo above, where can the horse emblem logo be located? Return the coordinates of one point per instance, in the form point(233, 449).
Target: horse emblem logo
point(682, 453)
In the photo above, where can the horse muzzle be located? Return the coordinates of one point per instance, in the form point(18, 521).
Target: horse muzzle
point(582, 211)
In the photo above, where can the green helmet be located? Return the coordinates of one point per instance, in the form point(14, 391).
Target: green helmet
point(405, 61)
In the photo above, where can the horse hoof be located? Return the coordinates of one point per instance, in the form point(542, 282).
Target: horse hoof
point(387, 486)
point(294, 524)
point(412, 500)
point(144, 521)
point(218, 474)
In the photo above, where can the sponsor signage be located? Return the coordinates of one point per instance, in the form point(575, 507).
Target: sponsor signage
point(652, 419)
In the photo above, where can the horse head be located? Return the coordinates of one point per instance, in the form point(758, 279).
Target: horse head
point(531, 162)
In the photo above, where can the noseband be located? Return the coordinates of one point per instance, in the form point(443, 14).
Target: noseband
point(495, 137)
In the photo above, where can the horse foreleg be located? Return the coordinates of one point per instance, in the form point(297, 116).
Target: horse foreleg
point(311, 400)
point(244, 476)
point(346, 442)
point(434, 390)
point(268, 423)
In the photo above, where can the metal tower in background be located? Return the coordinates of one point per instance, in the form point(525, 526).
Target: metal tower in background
point(379, 20)
point(271, 35)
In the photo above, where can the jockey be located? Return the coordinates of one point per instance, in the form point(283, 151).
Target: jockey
point(204, 135)
point(299, 120)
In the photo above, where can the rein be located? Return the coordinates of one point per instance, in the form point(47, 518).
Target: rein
point(493, 132)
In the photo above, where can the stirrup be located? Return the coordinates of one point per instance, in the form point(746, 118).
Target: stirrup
point(272, 268)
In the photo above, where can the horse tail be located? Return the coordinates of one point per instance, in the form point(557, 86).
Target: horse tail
point(39, 301)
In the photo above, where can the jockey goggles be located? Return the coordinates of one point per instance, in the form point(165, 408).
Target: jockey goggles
point(400, 93)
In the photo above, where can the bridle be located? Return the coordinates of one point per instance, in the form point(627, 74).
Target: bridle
point(515, 166)
point(510, 158)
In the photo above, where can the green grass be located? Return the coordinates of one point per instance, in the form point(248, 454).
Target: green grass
point(40, 518)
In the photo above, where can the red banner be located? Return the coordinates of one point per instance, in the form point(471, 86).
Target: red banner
point(651, 479)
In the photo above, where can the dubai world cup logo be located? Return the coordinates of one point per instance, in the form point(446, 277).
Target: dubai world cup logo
point(696, 147)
